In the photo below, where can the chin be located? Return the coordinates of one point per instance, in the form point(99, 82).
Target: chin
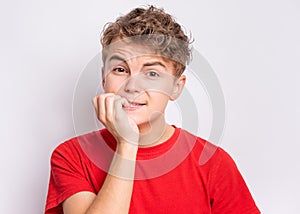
point(140, 122)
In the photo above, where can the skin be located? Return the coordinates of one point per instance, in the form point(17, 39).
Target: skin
point(138, 86)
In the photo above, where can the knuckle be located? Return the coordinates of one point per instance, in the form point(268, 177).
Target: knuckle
point(101, 117)
point(109, 117)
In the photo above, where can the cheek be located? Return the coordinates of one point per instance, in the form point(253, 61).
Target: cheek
point(159, 101)
point(109, 88)
point(112, 85)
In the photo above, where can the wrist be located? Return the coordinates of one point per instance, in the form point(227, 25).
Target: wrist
point(127, 150)
point(123, 166)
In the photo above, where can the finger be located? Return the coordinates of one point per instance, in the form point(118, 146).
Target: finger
point(102, 107)
point(95, 103)
point(118, 102)
point(97, 107)
point(109, 107)
point(121, 118)
point(118, 106)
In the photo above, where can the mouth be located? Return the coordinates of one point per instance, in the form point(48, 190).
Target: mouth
point(132, 105)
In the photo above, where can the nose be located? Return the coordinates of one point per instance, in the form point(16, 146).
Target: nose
point(132, 84)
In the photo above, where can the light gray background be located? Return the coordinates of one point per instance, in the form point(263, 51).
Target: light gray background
point(253, 47)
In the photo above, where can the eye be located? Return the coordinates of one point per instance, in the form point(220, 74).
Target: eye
point(120, 70)
point(152, 74)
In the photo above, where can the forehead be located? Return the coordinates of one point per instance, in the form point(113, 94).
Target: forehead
point(128, 49)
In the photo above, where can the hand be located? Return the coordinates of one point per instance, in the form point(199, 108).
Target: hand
point(109, 110)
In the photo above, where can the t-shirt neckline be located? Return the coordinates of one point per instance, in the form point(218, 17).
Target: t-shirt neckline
point(145, 153)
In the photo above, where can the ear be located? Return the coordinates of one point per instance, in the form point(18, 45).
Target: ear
point(178, 87)
point(103, 77)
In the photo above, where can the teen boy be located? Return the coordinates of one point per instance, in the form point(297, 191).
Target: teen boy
point(153, 166)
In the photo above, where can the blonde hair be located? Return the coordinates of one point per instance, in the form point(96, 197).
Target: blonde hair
point(154, 28)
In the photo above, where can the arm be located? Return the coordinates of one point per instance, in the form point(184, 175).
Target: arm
point(230, 193)
point(115, 194)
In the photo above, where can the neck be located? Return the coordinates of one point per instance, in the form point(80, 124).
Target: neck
point(155, 132)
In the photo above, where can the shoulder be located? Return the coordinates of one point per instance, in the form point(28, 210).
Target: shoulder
point(71, 172)
point(75, 147)
point(226, 187)
point(203, 149)
point(206, 152)
point(93, 148)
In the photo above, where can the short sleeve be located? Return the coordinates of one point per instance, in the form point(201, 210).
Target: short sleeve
point(230, 193)
point(67, 175)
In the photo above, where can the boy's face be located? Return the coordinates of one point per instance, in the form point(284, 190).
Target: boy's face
point(146, 80)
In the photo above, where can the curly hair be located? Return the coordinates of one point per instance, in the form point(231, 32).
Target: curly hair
point(154, 28)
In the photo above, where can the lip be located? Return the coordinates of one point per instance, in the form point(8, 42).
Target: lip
point(133, 106)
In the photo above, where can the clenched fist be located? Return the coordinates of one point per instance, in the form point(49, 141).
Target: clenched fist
point(110, 112)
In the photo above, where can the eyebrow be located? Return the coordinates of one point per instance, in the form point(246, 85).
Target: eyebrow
point(147, 64)
point(154, 64)
point(116, 57)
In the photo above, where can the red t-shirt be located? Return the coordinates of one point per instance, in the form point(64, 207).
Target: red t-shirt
point(185, 174)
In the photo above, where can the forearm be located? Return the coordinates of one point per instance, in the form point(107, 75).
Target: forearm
point(115, 194)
